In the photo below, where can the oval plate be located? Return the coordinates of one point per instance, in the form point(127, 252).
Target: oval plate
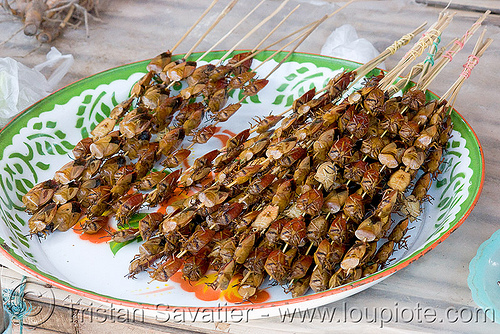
point(38, 142)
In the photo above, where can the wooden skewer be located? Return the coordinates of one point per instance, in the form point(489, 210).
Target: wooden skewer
point(274, 29)
point(444, 60)
point(194, 25)
point(181, 253)
point(255, 52)
point(291, 34)
point(226, 10)
point(304, 36)
point(279, 50)
point(278, 41)
point(309, 248)
point(477, 52)
point(297, 45)
point(390, 50)
point(280, 7)
point(231, 31)
point(243, 98)
point(422, 44)
point(246, 277)
point(415, 70)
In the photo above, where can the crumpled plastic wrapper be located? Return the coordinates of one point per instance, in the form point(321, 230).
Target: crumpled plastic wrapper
point(344, 43)
point(21, 86)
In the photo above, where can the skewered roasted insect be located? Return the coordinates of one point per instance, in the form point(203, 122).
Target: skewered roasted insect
point(94, 225)
point(39, 195)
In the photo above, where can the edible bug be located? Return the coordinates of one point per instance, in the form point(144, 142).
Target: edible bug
point(180, 71)
point(358, 125)
point(41, 222)
point(128, 207)
point(146, 160)
point(193, 120)
point(133, 146)
point(326, 174)
point(335, 201)
point(255, 86)
point(240, 62)
point(244, 247)
point(150, 181)
point(413, 98)
point(373, 99)
point(203, 135)
point(316, 230)
point(199, 239)
point(135, 122)
point(294, 232)
point(67, 215)
point(82, 148)
point(157, 64)
point(171, 141)
point(94, 224)
point(39, 195)
point(353, 255)
point(251, 285)
point(166, 269)
point(164, 188)
point(149, 225)
point(218, 100)
point(200, 74)
point(300, 266)
point(328, 254)
point(283, 193)
point(121, 109)
point(310, 202)
point(341, 150)
point(319, 279)
point(177, 221)
point(124, 235)
point(338, 231)
point(238, 81)
point(103, 128)
point(194, 268)
point(106, 146)
point(225, 215)
point(70, 171)
point(123, 184)
point(278, 264)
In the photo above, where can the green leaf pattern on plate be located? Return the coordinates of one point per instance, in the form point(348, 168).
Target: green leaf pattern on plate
point(296, 81)
point(448, 193)
point(453, 187)
point(300, 81)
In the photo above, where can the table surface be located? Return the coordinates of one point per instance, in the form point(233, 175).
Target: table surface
point(130, 31)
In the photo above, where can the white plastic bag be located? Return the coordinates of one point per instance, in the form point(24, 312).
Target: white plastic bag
point(344, 43)
point(21, 86)
point(58, 63)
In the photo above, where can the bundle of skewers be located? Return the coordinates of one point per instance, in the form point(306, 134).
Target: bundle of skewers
point(47, 19)
point(306, 197)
